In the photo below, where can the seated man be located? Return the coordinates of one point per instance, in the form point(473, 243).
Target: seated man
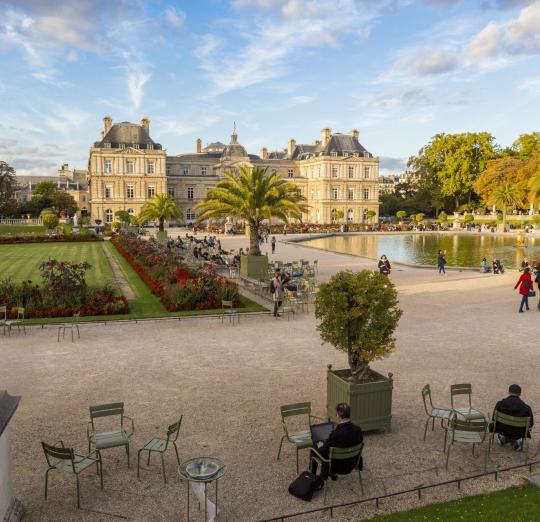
point(514, 406)
point(345, 435)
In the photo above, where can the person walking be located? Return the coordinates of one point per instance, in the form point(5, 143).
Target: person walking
point(525, 284)
point(273, 243)
point(384, 266)
point(276, 288)
point(441, 261)
point(537, 281)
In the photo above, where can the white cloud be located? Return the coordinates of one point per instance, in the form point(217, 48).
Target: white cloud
point(175, 17)
point(136, 78)
point(428, 61)
point(72, 56)
point(288, 27)
point(513, 37)
point(301, 100)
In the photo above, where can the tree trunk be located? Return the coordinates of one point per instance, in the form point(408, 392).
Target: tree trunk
point(161, 225)
point(504, 218)
point(254, 249)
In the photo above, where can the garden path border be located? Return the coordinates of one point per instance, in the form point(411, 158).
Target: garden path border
point(119, 276)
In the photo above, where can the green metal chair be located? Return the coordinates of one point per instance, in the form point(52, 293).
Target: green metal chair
point(228, 310)
point(515, 422)
point(468, 432)
point(10, 323)
point(300, 439)
point(65, 459)
point(118, 436)
point(160, 445)
point(467, 412)
point(70, 326)
point(340, 454)
point(434, 413)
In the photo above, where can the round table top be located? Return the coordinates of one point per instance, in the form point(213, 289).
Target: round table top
point(201, 463)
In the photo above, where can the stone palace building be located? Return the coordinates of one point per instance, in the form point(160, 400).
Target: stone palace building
point(336, 174)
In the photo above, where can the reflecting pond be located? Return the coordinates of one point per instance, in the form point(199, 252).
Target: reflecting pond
point(465, 250)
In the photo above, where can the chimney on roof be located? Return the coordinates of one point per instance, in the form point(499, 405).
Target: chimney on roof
point(290, 146)
point(264, 153)
point(325, 136)
point(317, 143)
point(198, 146)
point(355, 133)
point(107, 124)
point(145, 123)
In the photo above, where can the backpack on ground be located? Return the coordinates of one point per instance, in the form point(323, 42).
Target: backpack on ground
point(304, 485)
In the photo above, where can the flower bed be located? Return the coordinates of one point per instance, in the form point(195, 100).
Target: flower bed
point(63, 293)
point(178, 286)
point(60, 238)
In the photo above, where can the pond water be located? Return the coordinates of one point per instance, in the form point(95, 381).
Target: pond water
point(466, 250)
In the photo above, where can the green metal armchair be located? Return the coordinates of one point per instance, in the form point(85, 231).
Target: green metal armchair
point(515, 422)
point(434, 413)
point(473, 432)
point(300, 439)
point(18, 322)
point(354, 452)
point(65, 459)
point(467, 412)
point(118, 436)
point(161, 445)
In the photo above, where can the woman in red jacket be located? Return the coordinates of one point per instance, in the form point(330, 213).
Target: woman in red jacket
point(525, 284)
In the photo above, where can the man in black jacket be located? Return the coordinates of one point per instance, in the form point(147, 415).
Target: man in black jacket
point(345, 435)
point(514, 406)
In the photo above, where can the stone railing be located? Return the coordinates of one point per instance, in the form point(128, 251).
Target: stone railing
point(31, 221)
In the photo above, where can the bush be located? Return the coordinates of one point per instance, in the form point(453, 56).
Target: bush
point(468, 218)
point(358, 314)
point(178, 286)
point(50, 220)
point(443, 217)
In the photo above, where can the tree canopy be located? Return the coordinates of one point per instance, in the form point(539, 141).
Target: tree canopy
point(253, 195)
point(161, 207)
point(358, 313)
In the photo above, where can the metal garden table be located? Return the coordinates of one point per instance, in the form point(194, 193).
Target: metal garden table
point(202, 479)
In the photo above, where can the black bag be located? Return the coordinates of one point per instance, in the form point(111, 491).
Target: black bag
point(304, 485)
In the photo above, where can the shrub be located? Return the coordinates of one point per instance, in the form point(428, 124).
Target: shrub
point(358, 314)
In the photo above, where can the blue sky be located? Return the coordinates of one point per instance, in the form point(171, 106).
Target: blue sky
point(398, 70)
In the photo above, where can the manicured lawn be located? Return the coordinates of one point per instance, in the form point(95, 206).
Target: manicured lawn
point(22, 230)
point(145, 304)
point(21, 262)
point(517, 504)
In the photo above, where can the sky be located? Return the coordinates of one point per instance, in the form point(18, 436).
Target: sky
point(399, 71)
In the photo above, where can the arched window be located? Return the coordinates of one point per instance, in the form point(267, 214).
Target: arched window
point(108, 216)
point(130, 211)
point(350, 214)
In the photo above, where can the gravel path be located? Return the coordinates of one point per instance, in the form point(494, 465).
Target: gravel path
point(119, 277)
point(228, 382)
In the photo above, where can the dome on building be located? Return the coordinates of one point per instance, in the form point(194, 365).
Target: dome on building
point(234, 149)
point(127, 134)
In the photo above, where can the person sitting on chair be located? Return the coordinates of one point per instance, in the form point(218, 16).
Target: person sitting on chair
point(514, 406)
point(344, 435)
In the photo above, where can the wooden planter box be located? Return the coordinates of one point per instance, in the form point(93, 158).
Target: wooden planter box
point(371, 402)
point(254, 267)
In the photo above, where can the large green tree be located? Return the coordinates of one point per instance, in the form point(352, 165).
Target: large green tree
point(452, 163)
point(46, 194)
point(526, 145)
point(254, 195)
point(503, 170)
point(7, 181)
point(161, 207)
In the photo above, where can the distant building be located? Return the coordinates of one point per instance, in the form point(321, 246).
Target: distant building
point(387, 184)
point(126, 168)
point(72, 181)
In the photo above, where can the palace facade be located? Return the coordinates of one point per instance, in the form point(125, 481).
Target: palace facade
point(336, 174)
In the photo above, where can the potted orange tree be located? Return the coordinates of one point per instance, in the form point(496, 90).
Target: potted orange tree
point(358, 314)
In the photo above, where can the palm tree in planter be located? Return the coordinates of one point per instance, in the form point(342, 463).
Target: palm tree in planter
point(401, 215)
point(161, 207)
point(253, 195)
point(358, 313)
point(504, 196)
